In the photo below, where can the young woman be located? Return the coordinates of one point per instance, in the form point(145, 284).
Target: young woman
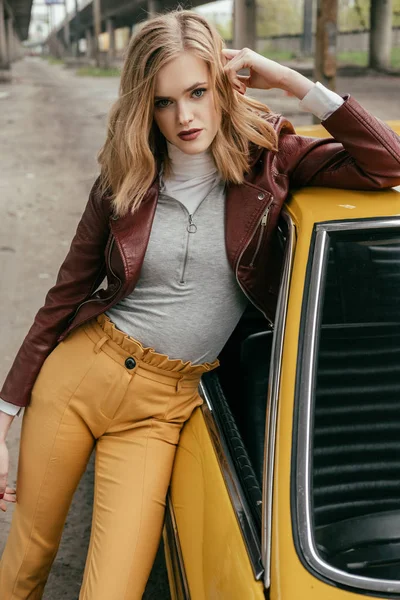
point(182, 224)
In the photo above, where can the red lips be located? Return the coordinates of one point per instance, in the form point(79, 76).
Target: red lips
point(189, 131)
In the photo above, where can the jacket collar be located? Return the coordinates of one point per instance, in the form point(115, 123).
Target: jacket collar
point(151, 196)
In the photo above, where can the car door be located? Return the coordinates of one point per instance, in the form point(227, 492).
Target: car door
point(214, 536)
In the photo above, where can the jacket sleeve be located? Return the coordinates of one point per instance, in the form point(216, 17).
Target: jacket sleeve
point(363, 153)
point(79, 275)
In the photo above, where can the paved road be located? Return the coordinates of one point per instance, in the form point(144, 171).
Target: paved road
point(51, 127)
point(52, 124)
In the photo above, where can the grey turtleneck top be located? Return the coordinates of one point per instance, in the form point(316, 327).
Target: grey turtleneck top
point(187, 300)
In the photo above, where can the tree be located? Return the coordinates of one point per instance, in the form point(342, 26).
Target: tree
point(355, 14)
point(326, 41)
point(278, 17)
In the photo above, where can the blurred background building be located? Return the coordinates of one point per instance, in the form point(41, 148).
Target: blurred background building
point(358, 32)
point(282, 29)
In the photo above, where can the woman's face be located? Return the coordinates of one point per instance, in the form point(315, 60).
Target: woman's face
point(178, 108)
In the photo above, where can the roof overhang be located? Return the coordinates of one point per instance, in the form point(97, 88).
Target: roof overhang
point(20, 11)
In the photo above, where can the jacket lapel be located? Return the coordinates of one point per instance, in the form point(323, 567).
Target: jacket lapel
point(244, 206)
point(132, 233)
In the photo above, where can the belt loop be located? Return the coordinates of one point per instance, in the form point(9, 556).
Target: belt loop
point(179, 384)
point(99, 344)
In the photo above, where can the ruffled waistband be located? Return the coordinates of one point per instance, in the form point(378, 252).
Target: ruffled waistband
point(149, 356)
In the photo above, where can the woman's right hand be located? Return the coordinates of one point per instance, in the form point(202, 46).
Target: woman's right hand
point(7, 494)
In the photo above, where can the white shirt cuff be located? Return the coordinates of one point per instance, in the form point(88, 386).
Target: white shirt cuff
point(10, 409)
point(321, 101)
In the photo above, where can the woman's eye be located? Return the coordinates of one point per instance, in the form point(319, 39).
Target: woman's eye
point(200, 90)
point(158, 103)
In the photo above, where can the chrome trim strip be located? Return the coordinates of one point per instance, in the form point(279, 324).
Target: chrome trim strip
point(305, 411)
point(359, 224)
point(272, 398)
point(181, 582)
point(235, 490)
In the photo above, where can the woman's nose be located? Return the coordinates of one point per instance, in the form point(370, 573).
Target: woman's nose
point(185, 115)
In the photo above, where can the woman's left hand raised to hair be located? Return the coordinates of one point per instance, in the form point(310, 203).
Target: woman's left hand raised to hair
point(264, 73)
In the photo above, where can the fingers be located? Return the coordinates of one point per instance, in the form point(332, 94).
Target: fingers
point(229, 52)
point(245, 53)
point(3, 484)
point(8, 496)
point(239, 82)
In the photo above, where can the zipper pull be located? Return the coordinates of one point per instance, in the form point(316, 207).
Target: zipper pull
point(263, 224)
point(265, 218)
point(191, 228)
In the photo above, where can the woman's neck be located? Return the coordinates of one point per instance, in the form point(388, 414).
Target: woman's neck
point(190, 166)
point(193, 176)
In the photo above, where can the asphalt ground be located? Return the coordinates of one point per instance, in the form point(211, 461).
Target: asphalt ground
point(52, 123)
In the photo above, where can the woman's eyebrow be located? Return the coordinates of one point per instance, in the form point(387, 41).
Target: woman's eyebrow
point(189, 89)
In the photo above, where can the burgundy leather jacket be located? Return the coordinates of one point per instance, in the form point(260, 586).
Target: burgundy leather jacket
point(363, 154)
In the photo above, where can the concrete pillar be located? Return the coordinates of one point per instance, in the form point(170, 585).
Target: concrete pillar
point(10, 41)
point(17, 47)
point(89, 43)
point(4, 62)
point(55, 45)
point(14, 43)
point(67, 37)
point(244, 24)
point(97, 30)
point(111, 39)
point(380, 39)
point(78, 31)
point(307, 39)
point(66, 30)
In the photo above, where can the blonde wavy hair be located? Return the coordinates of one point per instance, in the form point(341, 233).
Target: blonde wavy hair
point(135, 148)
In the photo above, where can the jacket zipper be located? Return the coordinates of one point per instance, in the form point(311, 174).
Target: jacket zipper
point(264, 222)
point(98, 299)
point(191, 228)
point(238, 263)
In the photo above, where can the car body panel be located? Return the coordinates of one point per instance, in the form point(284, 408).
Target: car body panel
point(320, 131)
point(307, 207)
point(216, 562)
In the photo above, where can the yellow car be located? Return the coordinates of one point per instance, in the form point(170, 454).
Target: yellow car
point(286, 481)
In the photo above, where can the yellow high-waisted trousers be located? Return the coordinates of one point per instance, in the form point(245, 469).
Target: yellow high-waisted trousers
point(98, 388)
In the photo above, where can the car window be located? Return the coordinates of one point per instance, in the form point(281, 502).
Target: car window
point(358, 383)
point(351, 445)
point(363, 279)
